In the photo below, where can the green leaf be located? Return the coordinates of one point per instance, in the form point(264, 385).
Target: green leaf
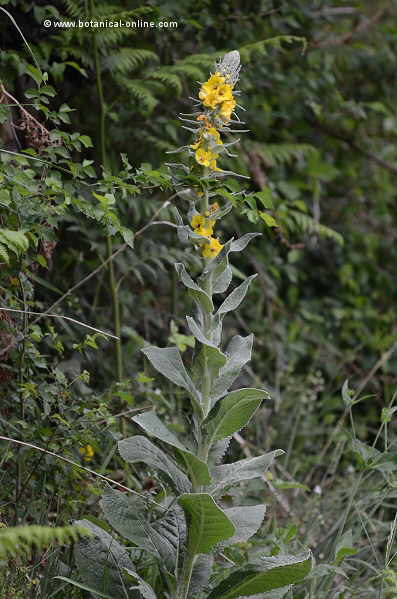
point(139, 449)
point(238, 353)
point(198, 470)
point(235, 298)
point(233, 412)
point(127, 516)
point(230, 474)
point(344, 547)
point(268, 219)
point(100, 559)
point(273, 573)
point(265, 197)
point(208, 362)
point(247, 520)
point(169, 363)
point(86, 141)
point(141, 585)
point(16, 241)
point(201, 574)
point(207, 523)
point(83, 587)
point(197, 332)
point(199, 295)
point(34, 73)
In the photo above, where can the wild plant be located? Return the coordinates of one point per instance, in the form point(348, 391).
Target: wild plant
point(177, 535)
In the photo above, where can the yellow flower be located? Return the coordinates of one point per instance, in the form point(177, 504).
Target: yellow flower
point(213, 83)
point(202, 225)
point(196, 145)
point(211, 249)
point(87, 452)
point(215, 134)
point(227, 108)
point(205, 157)
point(210, 100)
point(225, 93)
point(213, 166)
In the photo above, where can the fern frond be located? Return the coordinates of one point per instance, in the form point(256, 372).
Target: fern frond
point(188, 70)
point(249, 51)
point(205, 61)
point(14, 241)
point(112, 37)
point(169, 80)
point(75, 8)
point(307, 224)
point(20, 540)
point(128, 59)
point(114, 14)
point(275, 154)
point(140, 92)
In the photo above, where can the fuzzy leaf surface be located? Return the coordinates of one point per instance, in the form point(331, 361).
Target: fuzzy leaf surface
point(233, 412)
point(274, 573)
point(238, 353)
point(152, 424)
point(168, 361)
point(139, 449)
point(100, 560)
point(235, 298)
point(198, 294)
point(127, 515)
point(247, 521)
point(231, 474)
point(207, 523)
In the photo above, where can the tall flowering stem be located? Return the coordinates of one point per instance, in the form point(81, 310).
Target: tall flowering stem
point(188, 527)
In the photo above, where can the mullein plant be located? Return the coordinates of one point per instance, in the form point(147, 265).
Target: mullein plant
point(174, 541)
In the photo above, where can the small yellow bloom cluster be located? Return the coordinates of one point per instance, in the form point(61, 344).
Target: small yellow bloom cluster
point(87, 452)
point(216, 93)
point(203, 225)
point(206, 155)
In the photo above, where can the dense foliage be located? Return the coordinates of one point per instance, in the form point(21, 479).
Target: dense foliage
point(87, 116)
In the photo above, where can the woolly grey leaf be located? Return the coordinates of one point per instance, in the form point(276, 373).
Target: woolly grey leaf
point(168, 361)
point(247, 521)
point(238, 353)
point(230, 474)
point(235, 298)
point(139, 449)
point(201, 574)
point(198, 470)
point(127, 515)
point(100, 560)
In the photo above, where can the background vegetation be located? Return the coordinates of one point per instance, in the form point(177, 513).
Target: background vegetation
point(86, 118)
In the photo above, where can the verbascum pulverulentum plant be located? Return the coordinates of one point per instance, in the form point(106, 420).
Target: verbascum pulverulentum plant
point(178, 535)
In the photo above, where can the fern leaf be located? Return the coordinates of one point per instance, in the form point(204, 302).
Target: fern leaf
point(307, 224)
point(275, 154)
point(140, 92)
point(188, 70)
point(75, 8)
point(249, 51)
point(20, 540)
point(128, 59)
point(169, 80)
point(4, 257)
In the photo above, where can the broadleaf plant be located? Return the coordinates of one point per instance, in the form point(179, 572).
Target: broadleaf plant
point(182, 532)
